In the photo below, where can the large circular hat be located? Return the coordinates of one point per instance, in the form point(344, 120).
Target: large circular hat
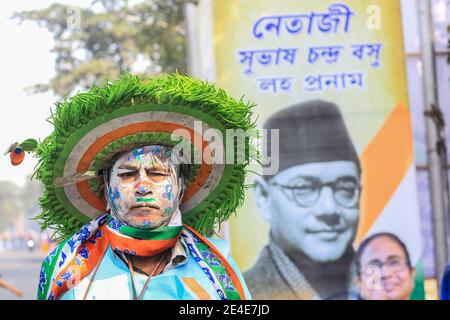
point(92, 128)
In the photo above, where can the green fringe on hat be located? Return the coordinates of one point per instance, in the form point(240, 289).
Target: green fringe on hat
point(73, 113)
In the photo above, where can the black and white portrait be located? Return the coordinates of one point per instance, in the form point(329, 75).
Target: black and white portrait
point(311, 204)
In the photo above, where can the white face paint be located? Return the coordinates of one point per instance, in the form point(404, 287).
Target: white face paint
point(144, 188)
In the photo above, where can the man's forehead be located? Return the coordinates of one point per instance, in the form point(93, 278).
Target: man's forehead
point(148, 155)
point(325, 171)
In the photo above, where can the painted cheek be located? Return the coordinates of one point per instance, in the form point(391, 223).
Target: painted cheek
point(112, 191)
point(127, 193)
point(122, 198)
point(110, 196)
point(168, 193)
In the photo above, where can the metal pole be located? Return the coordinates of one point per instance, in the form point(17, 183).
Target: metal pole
point(199, 38)
point(437, 171)
point(191, 39)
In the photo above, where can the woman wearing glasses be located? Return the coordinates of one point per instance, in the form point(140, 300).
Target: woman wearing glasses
point(384, 268)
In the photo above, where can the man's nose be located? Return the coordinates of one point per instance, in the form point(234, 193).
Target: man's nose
point(326, 204)
point(325, 208)
point(142, 189)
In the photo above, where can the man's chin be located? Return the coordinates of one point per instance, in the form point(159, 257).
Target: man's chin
point(324, 257)
point(145, 219)
point(146, 223)
point(324, 251)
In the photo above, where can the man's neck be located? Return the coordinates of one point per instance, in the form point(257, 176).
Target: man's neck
point(340, 265)
point(148, 264)
point(329, 279)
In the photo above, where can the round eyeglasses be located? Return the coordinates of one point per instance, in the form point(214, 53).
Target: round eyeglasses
point(306, 191)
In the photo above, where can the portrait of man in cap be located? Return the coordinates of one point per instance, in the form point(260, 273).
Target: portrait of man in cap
point(311, 204)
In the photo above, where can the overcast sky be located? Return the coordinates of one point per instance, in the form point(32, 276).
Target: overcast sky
point(25, 60)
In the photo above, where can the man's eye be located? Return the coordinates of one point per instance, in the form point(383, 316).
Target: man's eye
point(157, 174)
point(128, 174)
point(349, 184)
point(350, 190)
point(304, 188)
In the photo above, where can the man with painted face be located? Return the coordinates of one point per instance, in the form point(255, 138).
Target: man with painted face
point(132, 211)
point(145, 187)
point(312, 205)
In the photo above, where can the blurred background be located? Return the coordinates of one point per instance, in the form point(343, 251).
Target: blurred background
point(54, 49)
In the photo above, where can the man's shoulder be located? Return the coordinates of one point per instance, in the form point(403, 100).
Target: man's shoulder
point(264, 265)
point(265, 280)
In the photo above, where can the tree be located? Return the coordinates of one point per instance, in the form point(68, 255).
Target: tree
point(110, 37)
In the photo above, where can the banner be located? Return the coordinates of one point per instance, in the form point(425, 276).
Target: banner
point(331, 77)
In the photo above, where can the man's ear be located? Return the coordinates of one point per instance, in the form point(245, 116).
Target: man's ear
point(262, 197)
point(105, 194)
point(104, 188)
point(183, 189)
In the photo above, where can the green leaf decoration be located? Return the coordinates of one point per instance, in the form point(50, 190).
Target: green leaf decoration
point(29, 145)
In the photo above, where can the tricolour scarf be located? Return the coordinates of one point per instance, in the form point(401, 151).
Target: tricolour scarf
point(78, 256)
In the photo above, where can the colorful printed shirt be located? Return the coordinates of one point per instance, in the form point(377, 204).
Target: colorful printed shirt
point(182, 279)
